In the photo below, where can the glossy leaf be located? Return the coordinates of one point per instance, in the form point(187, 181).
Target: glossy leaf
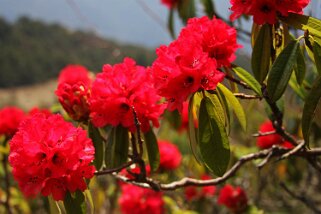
point(312, 103)
point(281, 71)
point(193, 141)
point(76, 203)
point(95, 136)
point(170, 23)
point(186, 9)
point(304, 23)
point(261, 53)
point(235, 104)
point(317, 55)
point(152, 149)
point(213, 143)
point(209, 8)
point(116, 152)
point(248, 79)
point(300, 67)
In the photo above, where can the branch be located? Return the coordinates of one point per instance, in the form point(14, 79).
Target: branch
point(239, 82)
point(260, 134)
point(117, 169)
point(247, 96)
point(184, 182)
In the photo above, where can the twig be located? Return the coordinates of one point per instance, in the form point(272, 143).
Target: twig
point(260, 134)
point(239, 82)
point(293, 151)
point(310, 204)
point(184, 182)
point(117, 169)
point(247, 96)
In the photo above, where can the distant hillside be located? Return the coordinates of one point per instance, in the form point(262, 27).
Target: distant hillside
point(33, 52)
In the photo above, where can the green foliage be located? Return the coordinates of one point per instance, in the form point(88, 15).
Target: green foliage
point(32, 51)
point(75, 203)
point(152, 149)
point(186, 9)
point(116, 152)
point(281, 70)
point(213, 140)
point(312, 103)
point(94, 134)
point(261, 54)
point(300, 67)
point(317, 55)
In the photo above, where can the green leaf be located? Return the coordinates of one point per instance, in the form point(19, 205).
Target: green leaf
point(90, 202)
point(75, 204)
point(116, 152)
point(193, 141)
point(214, 144)
point(186, 9)
point(152, 149)
point(248, 79)
point(299, 90)
point(174, 118)
point(312, 103)
point(53, 206)
point(281, 71)
point(300, 67)
point(317, 55)
point(262, 53)
point(95, 136)
point(170, 23)
point(304, 23)
point(209, 8)
point(234, 102)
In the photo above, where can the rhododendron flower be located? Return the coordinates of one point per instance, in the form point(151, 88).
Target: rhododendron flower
point(194, 193)
point(36, 110)
point(267, 141)
point(233, 198)
point(74, 90)
point(51, 156)
point(266, 11)
point(136, 170)
point(10, 118)
point(191, 62)
point(170, 156)
point(119, 89)
point(137, 200)
point(170, 3)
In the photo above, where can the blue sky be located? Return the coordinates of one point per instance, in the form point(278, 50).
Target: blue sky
point(123, 20)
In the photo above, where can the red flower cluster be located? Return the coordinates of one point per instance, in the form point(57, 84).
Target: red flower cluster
point(190, 63)
point(51, 156)
point(193, 193)
point(37, 110)
point(74, 90)
point(233, 198)
point(10, 118)
point(267, 141)
point(119, 89)
point(137, 200)
point(170, 3)
point(266, 11)
point(170, 156)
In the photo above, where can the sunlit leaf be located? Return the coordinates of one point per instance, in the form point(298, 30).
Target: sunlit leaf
point(248, 79)
point(281, 71)
point(235, 104)
point(152, 149)
point(213, 143)
point(262, 53)
point(311, 105)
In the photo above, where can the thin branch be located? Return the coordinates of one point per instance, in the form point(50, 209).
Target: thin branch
point(117, 169)
point(184, 182)
point(309, 203)
point(247, 96)
point(293, 151)
point(239, 82)
point(260, 134)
